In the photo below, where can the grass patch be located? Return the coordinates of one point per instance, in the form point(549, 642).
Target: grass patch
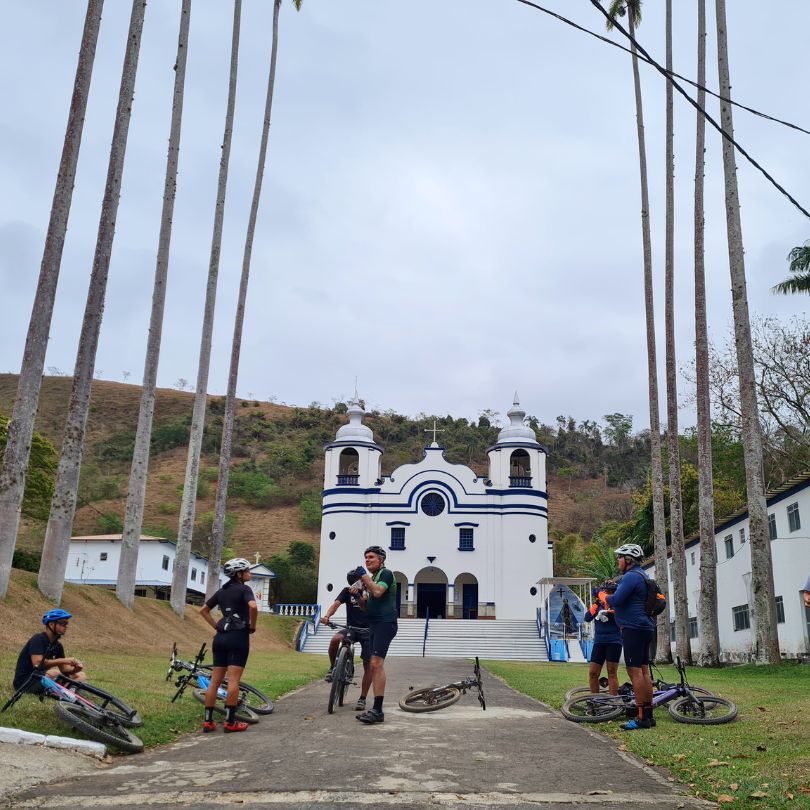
point(762, 759)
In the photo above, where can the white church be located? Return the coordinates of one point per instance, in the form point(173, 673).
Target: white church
point(460, 545)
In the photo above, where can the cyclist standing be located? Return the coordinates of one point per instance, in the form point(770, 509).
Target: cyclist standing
point(354, 599)
point(607, 642)
point(231, 645)
point(381, 587)
point(45, 651)
point(637, 629)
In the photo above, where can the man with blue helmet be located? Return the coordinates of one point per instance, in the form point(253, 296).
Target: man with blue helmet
point(45, 651)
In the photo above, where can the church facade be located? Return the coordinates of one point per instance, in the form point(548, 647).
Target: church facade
point(460, 545)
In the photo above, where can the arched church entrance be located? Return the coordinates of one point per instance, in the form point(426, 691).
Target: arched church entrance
point(431, 593)
point(465, 589)
point(402, 591)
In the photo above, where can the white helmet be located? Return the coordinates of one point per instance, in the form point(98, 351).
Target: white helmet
point(235, 565)
point(630, 550)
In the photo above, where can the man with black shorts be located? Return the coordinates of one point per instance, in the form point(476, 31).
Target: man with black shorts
point(381, 607)
point(354, 598)
point(607, 642)
point(637, 629)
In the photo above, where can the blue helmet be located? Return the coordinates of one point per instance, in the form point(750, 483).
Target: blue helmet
point(56, 615)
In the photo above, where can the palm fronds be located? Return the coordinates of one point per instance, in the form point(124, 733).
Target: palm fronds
point(799, 259)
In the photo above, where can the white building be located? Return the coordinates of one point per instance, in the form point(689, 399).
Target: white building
point(789, 526)
point(460, 545)
point(93, 560)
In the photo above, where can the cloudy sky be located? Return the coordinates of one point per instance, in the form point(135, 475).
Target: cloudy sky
point(451, 205)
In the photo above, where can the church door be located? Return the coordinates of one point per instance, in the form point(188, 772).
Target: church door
point(469, 601)
point(431, 596)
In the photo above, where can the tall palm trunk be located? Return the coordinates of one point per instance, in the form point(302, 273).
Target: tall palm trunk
point(218, 528)
point(764, 606)
point(708, 630)
point(187, 508)
point(21, 427)
point(133, 521)
point(63, 505)
point(682, 646)
point(663, 651)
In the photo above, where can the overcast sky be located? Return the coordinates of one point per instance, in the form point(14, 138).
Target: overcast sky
point(451, 203)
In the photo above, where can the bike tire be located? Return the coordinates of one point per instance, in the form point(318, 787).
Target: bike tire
point(580, 690)
point(105, 702)
point(587, 709)
point(337, 688)
point(348, 677)
point(243, 713)
point(255, 700)
point(687, 710)
point(429, 699)
point(98, 726)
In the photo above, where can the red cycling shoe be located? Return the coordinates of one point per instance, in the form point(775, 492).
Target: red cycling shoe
point(230, 728)
point(209, 726)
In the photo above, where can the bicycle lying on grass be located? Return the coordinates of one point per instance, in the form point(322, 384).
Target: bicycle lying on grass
point(431, 698)
point(343, 670)
point(92, 711)
point(252, 702)
point(685, 703)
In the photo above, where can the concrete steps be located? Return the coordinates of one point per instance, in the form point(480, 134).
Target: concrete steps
point(498, 639)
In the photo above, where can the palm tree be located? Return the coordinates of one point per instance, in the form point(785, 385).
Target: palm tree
point(21, 427)
point(133, 520)
point(663, 652)
point(677, 550)
point(63, 505)
point(218, 527)
point(764, 606)
point(799, 259)
point(187, 507)
point(708, 630)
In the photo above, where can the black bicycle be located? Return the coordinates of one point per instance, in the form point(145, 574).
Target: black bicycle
point(432, 698)
point(92, 711)
point(343, 670)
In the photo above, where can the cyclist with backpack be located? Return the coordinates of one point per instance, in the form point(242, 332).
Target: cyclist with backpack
point(630, 604)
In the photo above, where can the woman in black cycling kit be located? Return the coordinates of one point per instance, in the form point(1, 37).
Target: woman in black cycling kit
point(231, 644)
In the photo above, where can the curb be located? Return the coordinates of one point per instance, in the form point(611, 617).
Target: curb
point(15, 736)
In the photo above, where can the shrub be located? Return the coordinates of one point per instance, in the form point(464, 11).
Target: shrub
point(110, 523)
point(309, 511)
point(252, 486)
point(26, 560)
point(168, 508)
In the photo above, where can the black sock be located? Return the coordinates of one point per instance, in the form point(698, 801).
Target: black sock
point(647, 711)
point(209, 715)
point(231, 718)
point(378, 703)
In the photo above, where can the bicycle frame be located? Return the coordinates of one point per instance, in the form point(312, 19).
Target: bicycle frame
point(51, 689)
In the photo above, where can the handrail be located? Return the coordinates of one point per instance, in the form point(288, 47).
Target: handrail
point(427, 622)
point(308, 628)
point(295, 609)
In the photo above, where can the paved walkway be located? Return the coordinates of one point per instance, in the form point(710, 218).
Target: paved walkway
point(517, 754)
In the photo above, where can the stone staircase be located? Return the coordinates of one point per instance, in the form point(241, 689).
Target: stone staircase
point(497, 639)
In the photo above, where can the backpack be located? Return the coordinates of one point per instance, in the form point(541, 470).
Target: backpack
point(655, 603)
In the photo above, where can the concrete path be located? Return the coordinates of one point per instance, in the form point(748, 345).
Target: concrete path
point(517, 754)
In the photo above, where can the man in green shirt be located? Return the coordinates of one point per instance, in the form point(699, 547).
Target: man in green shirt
point(381, 608)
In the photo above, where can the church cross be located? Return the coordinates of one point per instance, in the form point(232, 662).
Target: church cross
point(434, 430)
point(257, 557)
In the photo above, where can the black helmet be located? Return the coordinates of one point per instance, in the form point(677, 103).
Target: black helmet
point(352, 577)
point(378, 550)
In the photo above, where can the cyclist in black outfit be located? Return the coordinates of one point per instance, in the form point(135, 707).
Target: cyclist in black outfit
point(45, 650)
point(231, 644)
point(354, 598)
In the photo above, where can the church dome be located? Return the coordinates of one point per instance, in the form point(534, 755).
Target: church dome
point(355, 432)
point(517, 432)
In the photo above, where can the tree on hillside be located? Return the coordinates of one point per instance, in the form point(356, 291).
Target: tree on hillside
point(297, 576)
point(217, 539)
point(621, 7)
point(133, 521)
point(15, 463)
point(799, 259)
point(619, 428)
point(188, 505)
point(63, 505)
point(42, 463)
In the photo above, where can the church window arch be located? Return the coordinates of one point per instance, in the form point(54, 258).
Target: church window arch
point(432, 504)
point(349, 468)
point(520, 469)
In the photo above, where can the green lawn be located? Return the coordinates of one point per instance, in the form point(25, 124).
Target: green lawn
point(761, 760)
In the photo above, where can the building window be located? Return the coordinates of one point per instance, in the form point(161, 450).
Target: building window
point(693, 627)
point(742, 619)
point(794, 521)
point(742, 536)
point(532, 538)
point(692, 557)
point(165, 564)
point(729, 541)
point(432, 504)
point(202, 577)
point(780, 610)
point(465, 540)
point(102, 556)
point(193, 574)
point(140, 591)
point(772, 527)
point(397, 538)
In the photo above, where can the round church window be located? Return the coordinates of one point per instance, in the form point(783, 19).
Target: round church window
point(332, 535)
point(329, 587)
point(532, 538)
point(533, 591)
point(432, 504)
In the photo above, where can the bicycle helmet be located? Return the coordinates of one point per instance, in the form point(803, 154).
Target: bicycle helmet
point(631, 550)
point(378, 550)
point(355, 574)
point(235, 566)
point(56, 615)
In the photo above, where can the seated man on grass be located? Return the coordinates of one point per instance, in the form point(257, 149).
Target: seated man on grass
point(45, 651)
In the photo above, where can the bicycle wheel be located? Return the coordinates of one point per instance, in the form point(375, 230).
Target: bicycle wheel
point(337, 689)
point(710, 711)
point(254, 699)
point(243, 713)
point(581, 690)
point(348, 677)
point(429, 699)
point(104, 701)
point(596, 708)
point(98, 726)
